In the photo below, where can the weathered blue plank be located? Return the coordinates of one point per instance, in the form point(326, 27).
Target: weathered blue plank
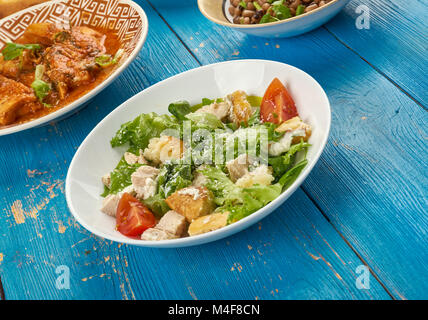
point(371, 181)
point(395, 43)
point(294, 253)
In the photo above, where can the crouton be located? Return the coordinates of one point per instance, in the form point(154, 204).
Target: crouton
point(144, 181)
point(110, 204)
point(192, 202)
point(240, 110)
point(261, 175)
point(164, 148)
point(220, 110)
point(238, 167)
point(294, 124)
point(208, 223)
point(153, 234)
point(173, 223)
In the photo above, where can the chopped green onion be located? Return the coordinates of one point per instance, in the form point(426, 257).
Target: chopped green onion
point(41, 90)
point(14, 50)
point(281, 12)
point(257, 6)
point(243, 4)
point(40, 70)
point(300, 9)
point(268, 18)
point(105, 60)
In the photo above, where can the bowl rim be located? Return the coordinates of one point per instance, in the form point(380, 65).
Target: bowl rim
point(219, 233)
point(56, 115)
point(264, 25)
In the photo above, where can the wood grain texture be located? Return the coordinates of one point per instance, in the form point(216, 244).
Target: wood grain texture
point(396, 43)
point(293, 254)
point(371, 181)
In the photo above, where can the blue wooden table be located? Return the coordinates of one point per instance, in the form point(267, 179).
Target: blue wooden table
point(356, 229)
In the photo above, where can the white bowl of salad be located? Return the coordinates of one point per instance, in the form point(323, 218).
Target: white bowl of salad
point(199, 156)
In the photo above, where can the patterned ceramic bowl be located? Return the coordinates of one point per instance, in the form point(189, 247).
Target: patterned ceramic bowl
point(215, 10)
point(122, 17)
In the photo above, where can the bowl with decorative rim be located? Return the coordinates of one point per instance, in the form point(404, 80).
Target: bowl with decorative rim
point(123, 18)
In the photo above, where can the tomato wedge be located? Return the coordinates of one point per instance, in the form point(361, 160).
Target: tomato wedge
point(132, 217)
point(277, 104)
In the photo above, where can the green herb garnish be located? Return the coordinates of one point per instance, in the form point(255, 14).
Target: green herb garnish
point(243, 4)
point(106, 60)
point(300, 9)
point(180, 109)
point(291, 175)
point(268, 18)
point(14, 50)
point(282, 12)
point(40, 87)
point(40, 70)
point(257, 6)
point(41, 90)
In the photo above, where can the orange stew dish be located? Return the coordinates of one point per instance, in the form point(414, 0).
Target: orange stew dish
point(49, 66)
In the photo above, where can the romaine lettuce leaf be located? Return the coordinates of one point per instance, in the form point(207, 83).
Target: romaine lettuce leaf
point(254, 198)
point(205, 102)
point(291, 175)
point(121, 177)
point(255, 118)
point(282, 164)
point(255, 101)
point(173, 177)
point(239, 202)
point(180, 109)
point(139, 131)
point(222, 187)
point(157, 205)
point(264, 194)
point(205, 120)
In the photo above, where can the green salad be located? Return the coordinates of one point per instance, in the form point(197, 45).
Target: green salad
point(204, 166)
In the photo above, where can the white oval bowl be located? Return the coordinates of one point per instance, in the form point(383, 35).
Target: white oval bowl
point(96, 12)
point(213, 10)
point(95, 156)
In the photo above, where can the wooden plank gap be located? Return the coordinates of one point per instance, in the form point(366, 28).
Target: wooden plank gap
point(2, 295)
point(363, 261)
point(377, 70)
